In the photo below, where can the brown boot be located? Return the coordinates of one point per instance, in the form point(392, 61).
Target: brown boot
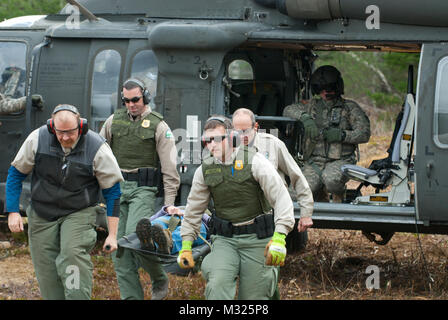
point(143, 231)
point(163, 239)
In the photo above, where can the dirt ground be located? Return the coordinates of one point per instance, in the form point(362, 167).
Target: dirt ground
point(335, 265)
point(332, 267)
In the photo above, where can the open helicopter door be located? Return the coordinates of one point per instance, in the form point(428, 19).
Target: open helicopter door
point(431, 183)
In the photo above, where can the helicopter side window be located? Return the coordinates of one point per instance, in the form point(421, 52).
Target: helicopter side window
point(12, 69)
point(105, 81)
point(145, 68)
point(441, 105)
point(240, 70)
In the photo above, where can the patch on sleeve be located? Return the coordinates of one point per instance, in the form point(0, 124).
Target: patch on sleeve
point(169, 134)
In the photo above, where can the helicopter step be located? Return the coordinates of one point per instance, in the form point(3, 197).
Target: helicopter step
point(375, 218)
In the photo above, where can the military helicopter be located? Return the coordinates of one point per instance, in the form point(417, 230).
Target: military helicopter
point(185, 52)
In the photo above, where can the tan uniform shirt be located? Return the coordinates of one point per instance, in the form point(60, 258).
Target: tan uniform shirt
point(270, 182)
point(276, 152)
point(166, 149)
point(105, 165)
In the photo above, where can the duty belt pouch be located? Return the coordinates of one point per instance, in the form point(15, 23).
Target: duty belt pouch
point(146, 177)
point(264, 226)
point(221, 227)
point(149, 177)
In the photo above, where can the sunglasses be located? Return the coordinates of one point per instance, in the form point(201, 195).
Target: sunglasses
point(217, 139)
point(245, 132)
point(68, 132)
point(134, 99)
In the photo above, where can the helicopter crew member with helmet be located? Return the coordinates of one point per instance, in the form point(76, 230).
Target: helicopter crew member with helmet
point(333, 128)
point(248, 240)
point(70, 165)
point(146, 153)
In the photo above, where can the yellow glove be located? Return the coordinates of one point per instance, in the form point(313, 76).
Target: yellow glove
point(185, 258)
point(275, 251)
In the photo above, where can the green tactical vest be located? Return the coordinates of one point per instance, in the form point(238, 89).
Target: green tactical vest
point(133, 142)
point(331, 116)
point(236, 194)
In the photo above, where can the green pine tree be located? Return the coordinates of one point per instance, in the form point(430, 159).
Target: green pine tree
point(16, 8)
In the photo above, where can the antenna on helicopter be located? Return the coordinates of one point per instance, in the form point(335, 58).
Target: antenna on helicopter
point(83, 10)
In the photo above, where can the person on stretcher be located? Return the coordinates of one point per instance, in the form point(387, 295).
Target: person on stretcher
point(161, 232)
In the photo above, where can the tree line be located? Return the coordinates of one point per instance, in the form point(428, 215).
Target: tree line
point(15, 8)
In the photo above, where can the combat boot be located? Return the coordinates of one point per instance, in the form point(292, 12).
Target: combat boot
point(162, 237)
point(144, 234)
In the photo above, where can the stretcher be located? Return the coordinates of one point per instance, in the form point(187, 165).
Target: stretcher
point(169, 261)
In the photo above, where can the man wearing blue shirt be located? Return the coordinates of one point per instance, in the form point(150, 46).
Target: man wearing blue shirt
point(69, 166)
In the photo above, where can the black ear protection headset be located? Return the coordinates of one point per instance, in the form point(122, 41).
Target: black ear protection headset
point(83, 126)
point(145, 93)
point(233, 135)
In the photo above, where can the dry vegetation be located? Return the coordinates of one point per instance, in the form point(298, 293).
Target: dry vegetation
point(333, 265)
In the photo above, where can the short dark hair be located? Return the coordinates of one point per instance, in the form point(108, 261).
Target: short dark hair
point(218, 120)
point(132, 83)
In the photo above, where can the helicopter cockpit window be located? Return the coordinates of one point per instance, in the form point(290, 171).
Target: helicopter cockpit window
point(441, 105)
point(240, 70)
point(12, 69)
point(145, 68)
point(105, 82)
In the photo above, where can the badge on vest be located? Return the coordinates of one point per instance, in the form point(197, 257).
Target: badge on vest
point(146, 123)
point(239, 165)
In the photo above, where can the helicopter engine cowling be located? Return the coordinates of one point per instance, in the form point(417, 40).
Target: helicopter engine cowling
point(413, 12)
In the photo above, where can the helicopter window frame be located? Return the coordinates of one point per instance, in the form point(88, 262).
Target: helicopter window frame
point(99, 119)
point(22, 78)
point(441, 104)
point(150, 82)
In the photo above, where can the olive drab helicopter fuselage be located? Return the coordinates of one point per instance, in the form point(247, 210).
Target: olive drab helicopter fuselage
point(204, 57)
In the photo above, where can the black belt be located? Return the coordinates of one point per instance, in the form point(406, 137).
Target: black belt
point(263, 226)
point(130, 176)
point(245, 229)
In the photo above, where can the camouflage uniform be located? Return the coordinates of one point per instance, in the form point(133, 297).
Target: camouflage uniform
point(323, 160)
point(10, 105)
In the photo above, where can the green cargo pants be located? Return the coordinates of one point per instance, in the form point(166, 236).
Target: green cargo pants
point(240, 256)
point(60, 254)
point(135, 204)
